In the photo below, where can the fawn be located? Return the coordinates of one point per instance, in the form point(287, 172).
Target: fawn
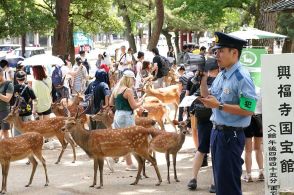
point(17, 148)
point(47, 127)
point(116, 143)
point(170, 143)
point(168, 95)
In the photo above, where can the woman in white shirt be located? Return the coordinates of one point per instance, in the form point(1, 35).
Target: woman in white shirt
point(138, 69)
point(42, 87)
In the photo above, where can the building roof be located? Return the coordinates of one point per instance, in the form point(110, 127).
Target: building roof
point(283, 5)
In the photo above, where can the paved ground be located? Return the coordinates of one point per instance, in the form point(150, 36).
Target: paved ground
point(67, 178)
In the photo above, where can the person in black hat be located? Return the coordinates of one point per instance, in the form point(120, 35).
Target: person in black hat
point(232, 98)
point(28, 95)
point(204, 126)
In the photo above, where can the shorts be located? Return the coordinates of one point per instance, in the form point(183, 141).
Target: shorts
point(123, 119)
point(4, 125)
point(204, 132)
point(254, 129)
point(47, 112)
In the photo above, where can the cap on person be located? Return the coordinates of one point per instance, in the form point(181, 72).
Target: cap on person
point(211, 64)
point(79, 60)
point(182, 67)
point(223, 40)
point(20, 75)
point(129, 73)
point(19, 65)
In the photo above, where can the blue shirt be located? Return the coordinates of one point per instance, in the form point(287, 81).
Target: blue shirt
point(227, 88)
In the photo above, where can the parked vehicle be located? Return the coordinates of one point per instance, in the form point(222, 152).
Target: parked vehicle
point(7, 48)
point(30, 51)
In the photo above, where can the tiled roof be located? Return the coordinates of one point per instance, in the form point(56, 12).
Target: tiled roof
point(281, 6)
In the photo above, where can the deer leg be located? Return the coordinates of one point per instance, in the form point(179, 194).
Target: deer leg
point(175, 165)
point(95, 173)
point(5, 169)
point(167, 164)
point(144, 168)
point(176, 110)
point(140, 167)
point(34, 166)
point(154, 163)
point(39, 156)
point(61, 139)
point(160, 122)
point(101, 164)
point(72, 144)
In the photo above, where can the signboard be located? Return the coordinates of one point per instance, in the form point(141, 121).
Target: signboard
point(278, 121)
point(250, 58)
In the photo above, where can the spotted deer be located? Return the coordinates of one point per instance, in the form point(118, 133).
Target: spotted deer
point(170, 143)
point(116, 143)
point(168, 95)
point(107, 119)
point(20, 147)
point(47, 128)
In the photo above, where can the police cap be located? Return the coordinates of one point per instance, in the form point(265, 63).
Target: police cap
point(223, 40)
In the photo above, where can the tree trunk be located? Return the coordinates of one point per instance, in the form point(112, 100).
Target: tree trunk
point(23, 45)
point(61, 30)
point(129, 33)
point(266, 21)
point(288, 46)
point(70, 44)
point(158, 24)
point(168, 37)
point(149, 23)
point(177, 42)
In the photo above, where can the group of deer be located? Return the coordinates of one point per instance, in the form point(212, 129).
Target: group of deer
point(97, 144)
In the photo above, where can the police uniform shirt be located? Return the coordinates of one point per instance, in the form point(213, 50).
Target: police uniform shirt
point(228, 87)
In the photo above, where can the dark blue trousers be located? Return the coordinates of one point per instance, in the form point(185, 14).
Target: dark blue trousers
point(226, 150)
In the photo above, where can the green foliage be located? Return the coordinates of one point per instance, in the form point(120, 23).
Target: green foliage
point(95, 16)
point(19, 17)
point(286, 24)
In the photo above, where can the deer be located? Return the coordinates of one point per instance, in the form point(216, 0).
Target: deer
point(107, 119)
point(116, 143)
point(47, 128)
point(171, 77)
point(168, 95)
point(170, 143)
point(17, 148)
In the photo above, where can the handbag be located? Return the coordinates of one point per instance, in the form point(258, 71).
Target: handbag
point(200, 111)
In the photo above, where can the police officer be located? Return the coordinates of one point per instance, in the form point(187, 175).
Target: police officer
point(232, 99)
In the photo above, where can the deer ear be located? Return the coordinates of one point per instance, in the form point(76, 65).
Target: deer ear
point(175, 122)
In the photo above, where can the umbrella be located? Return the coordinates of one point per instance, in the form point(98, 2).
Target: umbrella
point(43, 59)
point(253, 33)
point(13, 60)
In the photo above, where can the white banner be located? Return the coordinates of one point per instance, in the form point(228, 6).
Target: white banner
point(277, 91)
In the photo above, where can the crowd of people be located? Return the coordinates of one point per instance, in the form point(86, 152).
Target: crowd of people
point(220, 123)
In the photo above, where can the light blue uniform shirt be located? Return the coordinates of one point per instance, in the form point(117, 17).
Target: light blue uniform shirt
point(227, 88)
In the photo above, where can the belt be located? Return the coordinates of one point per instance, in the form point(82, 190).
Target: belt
point(227, 128)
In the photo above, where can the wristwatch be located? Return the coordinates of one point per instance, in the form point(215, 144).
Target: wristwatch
point(221, 106)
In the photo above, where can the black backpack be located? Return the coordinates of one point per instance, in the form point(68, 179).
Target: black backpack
point(165, 65)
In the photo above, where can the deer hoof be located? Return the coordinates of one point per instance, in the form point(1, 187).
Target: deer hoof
point(46, 184)
point(134, 183)
point(177, 180)
point(99, 187)
point(145, 176)
point(92, 186)
point(168, 181)
point(3, 192)
point(73, 161)
point(158, 184)
point(56, 162)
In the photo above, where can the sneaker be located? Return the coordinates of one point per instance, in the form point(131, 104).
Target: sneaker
point(260, 177)
point(131, 168)
point(192, 185)
point(247, 179)
point(212, 189)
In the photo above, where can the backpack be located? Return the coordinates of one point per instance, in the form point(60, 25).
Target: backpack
point(57, 79)
point(88, 102)
point(24, 107)
point(165, 65)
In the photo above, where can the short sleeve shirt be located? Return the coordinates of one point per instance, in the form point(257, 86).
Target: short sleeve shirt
point(157, 60)
point(27, 93)
point(5, 106)
point(228, 87)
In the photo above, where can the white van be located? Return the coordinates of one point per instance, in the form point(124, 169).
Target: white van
point(30, 51)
